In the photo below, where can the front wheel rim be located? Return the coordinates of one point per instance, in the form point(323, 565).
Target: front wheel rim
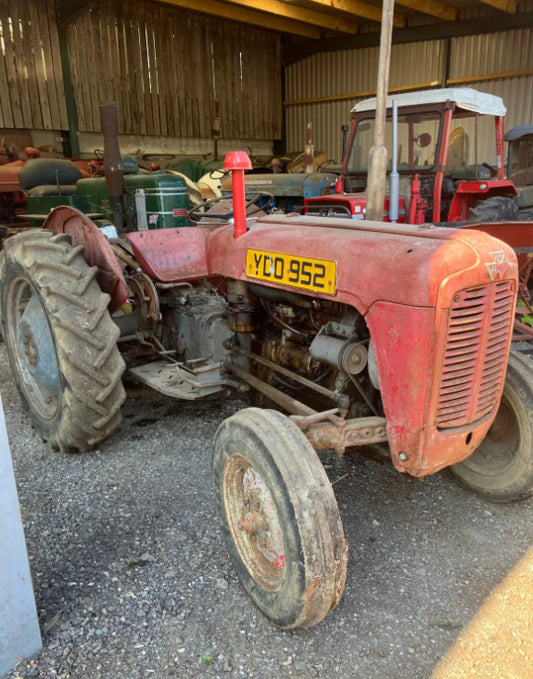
point(254, 523)
point(33, 348)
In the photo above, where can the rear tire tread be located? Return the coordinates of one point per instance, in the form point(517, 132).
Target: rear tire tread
point(90, 363)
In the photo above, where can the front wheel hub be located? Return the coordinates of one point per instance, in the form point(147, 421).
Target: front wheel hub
point(254, 522)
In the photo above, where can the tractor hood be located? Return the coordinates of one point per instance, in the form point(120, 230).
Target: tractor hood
point(372, 261)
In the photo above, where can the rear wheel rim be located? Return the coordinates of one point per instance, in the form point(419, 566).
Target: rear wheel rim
point(254, 523)
point(33, 348)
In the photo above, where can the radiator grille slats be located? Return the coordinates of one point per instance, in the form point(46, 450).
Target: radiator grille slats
point(479, 326)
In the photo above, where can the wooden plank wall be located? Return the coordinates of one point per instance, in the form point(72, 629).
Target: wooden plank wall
point(166, 67)
point(31, 82)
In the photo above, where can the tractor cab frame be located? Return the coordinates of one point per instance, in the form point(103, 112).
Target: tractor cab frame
point(444, 138)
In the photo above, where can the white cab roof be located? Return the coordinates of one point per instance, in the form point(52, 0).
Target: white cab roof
point(464, 97)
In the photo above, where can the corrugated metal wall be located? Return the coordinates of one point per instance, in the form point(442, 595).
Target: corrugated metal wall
point(348, 76)
point(486, 55)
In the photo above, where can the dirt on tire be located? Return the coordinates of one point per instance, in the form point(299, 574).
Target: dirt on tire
point(84, 336)
point(313, 576)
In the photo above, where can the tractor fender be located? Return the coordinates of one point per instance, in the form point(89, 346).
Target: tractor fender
point(171, 255)
point(97, 250)
point(468, 194)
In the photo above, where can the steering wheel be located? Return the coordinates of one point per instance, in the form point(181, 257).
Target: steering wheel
point(197, 213)
point(295, 162)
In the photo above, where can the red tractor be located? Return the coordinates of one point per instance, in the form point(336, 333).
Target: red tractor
point(442, 141)
point(363, 332)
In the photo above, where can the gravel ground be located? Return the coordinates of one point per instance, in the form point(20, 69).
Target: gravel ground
point(132, 579)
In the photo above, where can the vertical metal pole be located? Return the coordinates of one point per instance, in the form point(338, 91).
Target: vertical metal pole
point(377, 167)
point(345, 129)
point(445, 72)
point(476, 142)
point(499, 128)
point(394, 177)
point(113, 168)
point(309, 150)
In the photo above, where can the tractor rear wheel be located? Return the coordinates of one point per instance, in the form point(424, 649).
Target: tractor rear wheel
point(495, 209)
point(60, 340)
point(280, 517)
point(501, 469)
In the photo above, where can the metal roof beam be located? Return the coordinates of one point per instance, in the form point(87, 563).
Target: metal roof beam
point(248, 16)
point(360, 9)
point(438, 31)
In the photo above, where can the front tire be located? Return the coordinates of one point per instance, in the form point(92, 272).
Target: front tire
point(501, 469)
point(60, 340)
point(280, 516)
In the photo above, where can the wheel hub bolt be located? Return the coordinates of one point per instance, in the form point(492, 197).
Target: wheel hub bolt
point(252, 523)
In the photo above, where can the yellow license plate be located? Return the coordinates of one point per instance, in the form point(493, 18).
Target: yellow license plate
point(319, 275)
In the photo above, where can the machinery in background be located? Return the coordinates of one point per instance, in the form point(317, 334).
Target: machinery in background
point(520, 167)
point(443, 139)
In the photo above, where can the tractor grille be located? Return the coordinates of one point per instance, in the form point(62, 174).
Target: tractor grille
point(475, 357)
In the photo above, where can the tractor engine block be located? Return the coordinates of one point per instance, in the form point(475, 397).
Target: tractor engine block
point(326, 342)
point(195, 324)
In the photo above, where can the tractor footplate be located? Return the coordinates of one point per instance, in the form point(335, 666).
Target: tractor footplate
point(179, 381)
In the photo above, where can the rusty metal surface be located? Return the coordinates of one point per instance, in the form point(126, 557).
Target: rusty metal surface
point(522, 332)
point(342, 400)
point(96, 250)
point(346, 433)
point(323, 430)
point(146, 296)
point(515, 234)
point(290, 404)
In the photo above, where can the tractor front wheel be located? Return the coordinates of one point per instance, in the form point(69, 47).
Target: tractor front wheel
point(501, 469)
point(280, 517)
point(60, 340)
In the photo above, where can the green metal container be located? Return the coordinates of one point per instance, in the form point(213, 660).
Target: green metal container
point(40, 206)
point(94, 191)
point(155, 201)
